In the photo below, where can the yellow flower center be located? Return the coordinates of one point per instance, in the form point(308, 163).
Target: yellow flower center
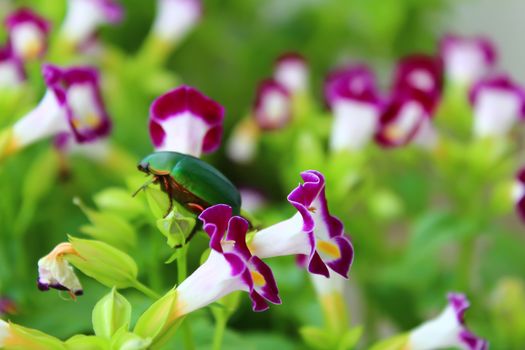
point(257, 278)
point(329, 248)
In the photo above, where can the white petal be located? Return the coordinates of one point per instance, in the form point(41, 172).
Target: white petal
point(426, 135)
point(465, 63)
point(9, 75)
point(53, 270)
point(326, 286)
point(496, 111)
point(293, 75)
point(4, 332)
point(518, 191)
point(47, 119)
point(210, 282)
point(441, 332)
point(81, 100)
point(354, 125)
point(175, 18)
point(82, 19)
point(28, 40)
point(184, 133)
point(98, 150)
point(284, 238)
point(242, 145)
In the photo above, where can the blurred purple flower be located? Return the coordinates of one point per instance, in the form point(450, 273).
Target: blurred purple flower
point(186, 121)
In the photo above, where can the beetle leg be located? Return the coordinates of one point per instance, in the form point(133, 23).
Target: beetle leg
point(167, 188)
point(194, 207)
point(188, 239)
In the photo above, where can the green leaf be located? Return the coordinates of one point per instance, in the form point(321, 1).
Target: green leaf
point(108, 227)
point(119, 201)
point(398, 342)
point(350, 338)
point(317, 338)
point(124, 340)
point(158, 202)
point(87, 342)
point(103, 262)
point(110, 314)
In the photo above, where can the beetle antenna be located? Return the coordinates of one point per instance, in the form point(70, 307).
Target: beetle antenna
point(149, 182)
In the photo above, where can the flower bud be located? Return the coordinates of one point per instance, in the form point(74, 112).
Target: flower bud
point(111, 313)
point(160, 320)
point(15, 337)
point(104, 263)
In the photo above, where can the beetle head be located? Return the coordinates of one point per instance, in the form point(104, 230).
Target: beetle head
point(144, 167)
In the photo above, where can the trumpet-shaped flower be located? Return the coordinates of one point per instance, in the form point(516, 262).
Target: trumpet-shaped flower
point(312, 231)
point(72, 104)
point(291, 71)
point(98, 150)
point(352, 95)
point(518, 193)
point(55, 272)
point(28, 34)
point(447, 330)
point(184, 120)
point(466, 59)
point(84, 17)
point(407, 118)
point(175, 18)
point(420, 72)
point(273, 106)
point(498, 104)
point(242, 145)
point(11, 69)
point(229, 267)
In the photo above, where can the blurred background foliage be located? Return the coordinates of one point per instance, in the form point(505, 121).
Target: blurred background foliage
point(400, 283)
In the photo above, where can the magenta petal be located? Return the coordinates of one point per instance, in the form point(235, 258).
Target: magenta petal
point(266, 118)
point(25, 15)
point(502, 83)
point(186, 99)
point(269, 291)
point(258, 302)
point(317, 266)
point(356, 82)
point(237, 228)
point(59, 80)
point(215, 222)
point(423, 73)
point(157, 133)
point(393, 111)
point(460, 304)
point(237, 264)
point(343, 264)
point(304, 195)
point(472, 341)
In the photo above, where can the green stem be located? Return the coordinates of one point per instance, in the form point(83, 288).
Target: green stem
point(220, 326)
point(154, 277)
point(466, 255)
point(146, 290)
point(182, 271)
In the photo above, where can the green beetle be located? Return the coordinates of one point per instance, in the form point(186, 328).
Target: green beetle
point(192, 182)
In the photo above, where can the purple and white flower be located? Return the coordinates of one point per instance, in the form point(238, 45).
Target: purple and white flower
point(291, 71)
point(84, 17)
point(28, 34)
point(312, 231)
point(352, 95)
point(72, 104)
point(273, 106)
point(407, 118)
point(186, 121)
point(7, 306)
point(498, 104)
point(420, 72)
point(175, 18)
point(11, 69)
point(518, 193)
point(447, 330)
point(467, 59)
point(242, 144)
point(55, 272)
point(97, 150)
point(230, 266)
